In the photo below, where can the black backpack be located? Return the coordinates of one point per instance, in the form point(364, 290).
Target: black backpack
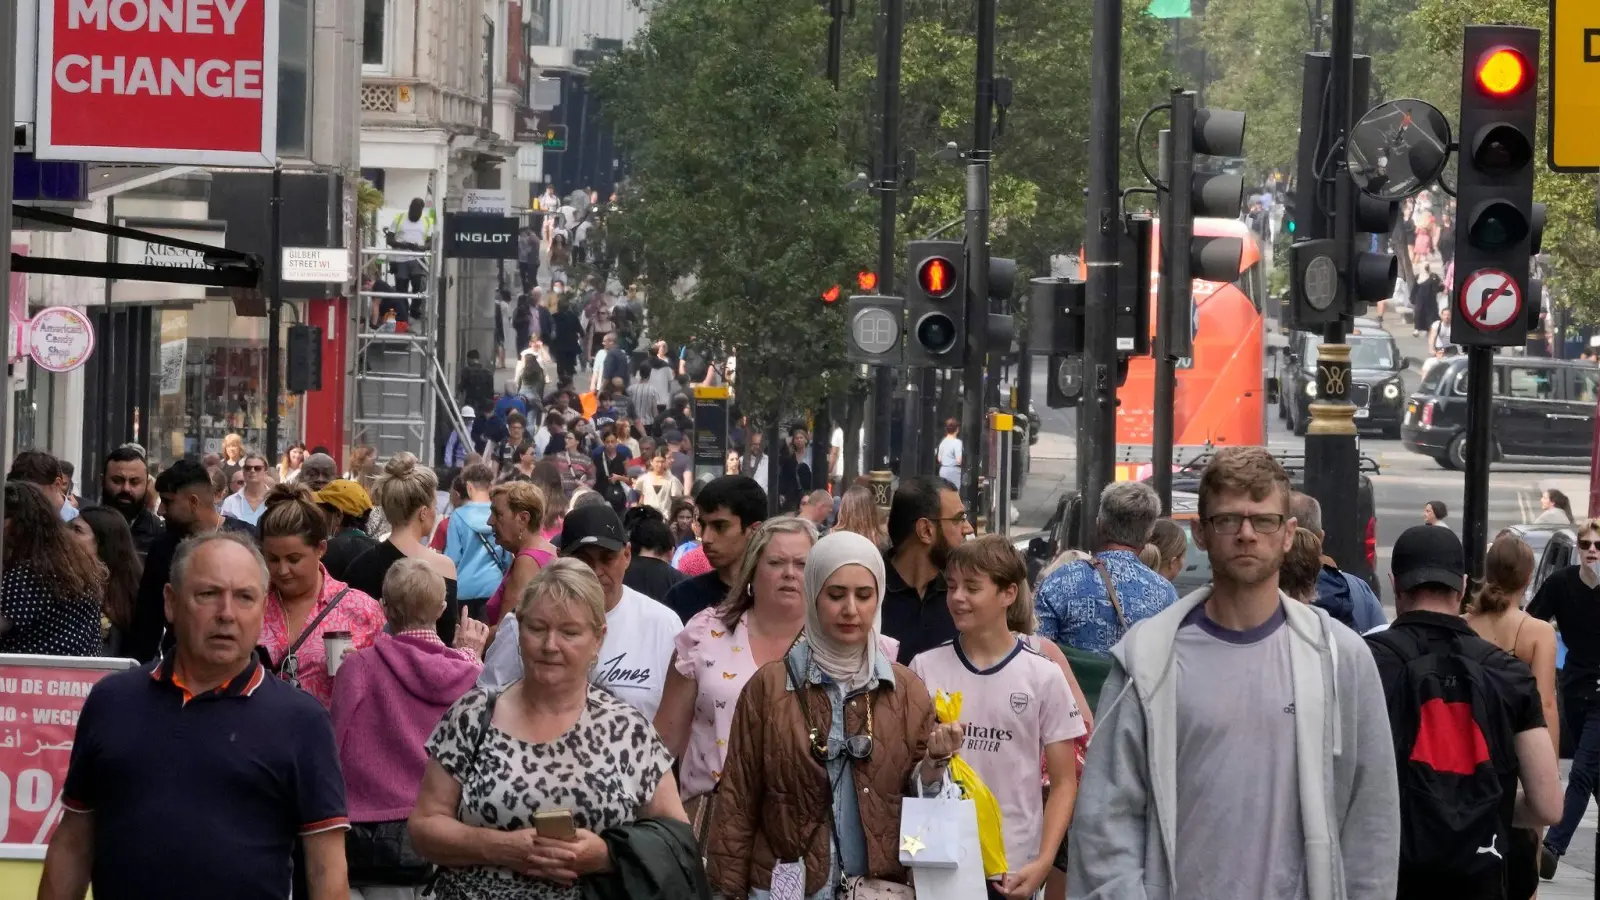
point(1446, 722)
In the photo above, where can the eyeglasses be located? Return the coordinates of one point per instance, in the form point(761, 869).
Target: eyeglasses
point(1588, 545)
point(956, 519)
point(856, 746)
point(255, 468)
point(1230, 523)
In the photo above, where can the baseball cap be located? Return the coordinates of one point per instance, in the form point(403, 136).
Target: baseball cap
point(592, 526)
point(468, 412)
point(1428, 554)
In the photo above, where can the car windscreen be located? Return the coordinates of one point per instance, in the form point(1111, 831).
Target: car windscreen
point(1366, 352)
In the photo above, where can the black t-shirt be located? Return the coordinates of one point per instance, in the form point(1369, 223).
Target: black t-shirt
point(691, 595)
point(345, 548)
point(652, 577)
point(1575, 607)
point(918, 622)
point(506, 453)
point(367, 572)
point(1512, 683)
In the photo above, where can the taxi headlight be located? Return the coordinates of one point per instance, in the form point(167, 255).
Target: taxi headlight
point(1391, 391)
point(1311, 389)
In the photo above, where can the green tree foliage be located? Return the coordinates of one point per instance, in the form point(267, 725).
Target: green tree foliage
point(735, 219)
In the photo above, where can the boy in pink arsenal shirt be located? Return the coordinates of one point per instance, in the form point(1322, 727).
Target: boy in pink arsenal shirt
point(1015, 705)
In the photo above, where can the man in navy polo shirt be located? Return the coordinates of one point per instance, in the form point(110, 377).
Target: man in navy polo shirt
point(193, 775)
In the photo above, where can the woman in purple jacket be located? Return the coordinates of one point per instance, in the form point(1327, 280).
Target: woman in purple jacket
point(387, 699)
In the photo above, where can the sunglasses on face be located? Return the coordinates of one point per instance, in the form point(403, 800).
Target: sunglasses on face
point(1588, 545)
point(255, 468)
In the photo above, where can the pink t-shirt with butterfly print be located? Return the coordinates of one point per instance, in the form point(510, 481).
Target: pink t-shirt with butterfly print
point(719, 661)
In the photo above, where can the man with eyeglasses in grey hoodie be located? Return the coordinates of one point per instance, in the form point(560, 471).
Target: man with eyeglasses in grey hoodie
point(1242, 746)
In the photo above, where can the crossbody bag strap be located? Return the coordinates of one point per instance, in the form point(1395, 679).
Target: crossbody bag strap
point(489, 549)
point(289, 666)
point(1099, 566)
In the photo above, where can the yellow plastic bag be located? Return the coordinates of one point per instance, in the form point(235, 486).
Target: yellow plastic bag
point(948, 708)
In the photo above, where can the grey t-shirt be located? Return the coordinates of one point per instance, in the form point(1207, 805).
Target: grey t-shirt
point(1239, 832)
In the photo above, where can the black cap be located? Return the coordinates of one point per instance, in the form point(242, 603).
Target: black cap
point(592, 526)
point(1428, 554)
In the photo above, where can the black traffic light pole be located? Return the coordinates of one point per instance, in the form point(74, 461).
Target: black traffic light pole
point(1097, 423)
point(835, 40)
point(274, 287)
point(977, 245)
point(1331, 458)
point(893, 18)
point(1167, 297)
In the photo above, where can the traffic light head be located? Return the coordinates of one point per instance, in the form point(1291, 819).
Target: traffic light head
point(936, 304)
point(1496, 219)
point(866, 281)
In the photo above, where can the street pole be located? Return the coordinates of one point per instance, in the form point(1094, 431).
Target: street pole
point(8, 64)
point(1331, 458)
point(977, 240)
point(836, 40)
point(1480, 402)
point(1316, 29)
point(274, 287)
point(1097, 424)
point(1168, 294)
point(892, 13)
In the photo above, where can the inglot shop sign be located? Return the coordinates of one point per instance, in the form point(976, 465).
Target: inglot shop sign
point(479, 236)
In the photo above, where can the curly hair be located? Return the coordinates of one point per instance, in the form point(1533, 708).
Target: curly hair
point(37, 540)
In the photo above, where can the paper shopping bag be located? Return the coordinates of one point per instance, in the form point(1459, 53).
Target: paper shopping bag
point(930, 830)
point(964, 880)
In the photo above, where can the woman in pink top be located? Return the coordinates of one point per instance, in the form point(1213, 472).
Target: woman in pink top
point(305, 602)
point(387, 700)
point(721, 648)
point(516, 509)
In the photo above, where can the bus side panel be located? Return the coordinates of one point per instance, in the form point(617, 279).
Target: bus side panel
point(1225, 405)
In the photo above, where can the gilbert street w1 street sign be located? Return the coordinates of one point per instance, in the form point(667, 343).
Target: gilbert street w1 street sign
point(1491, 300)
point(1574, 85)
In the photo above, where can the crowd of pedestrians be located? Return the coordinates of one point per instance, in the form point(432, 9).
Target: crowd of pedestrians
point(550, 706)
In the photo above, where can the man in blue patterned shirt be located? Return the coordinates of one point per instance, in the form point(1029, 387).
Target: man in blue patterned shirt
point(1073, 605)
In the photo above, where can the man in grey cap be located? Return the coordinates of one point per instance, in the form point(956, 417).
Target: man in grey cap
point(1468, 729)
point(639, 631)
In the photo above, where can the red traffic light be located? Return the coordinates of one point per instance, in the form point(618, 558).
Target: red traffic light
point(936, 277)
point(867, 281)
point(831, 295)
point(1502, 72)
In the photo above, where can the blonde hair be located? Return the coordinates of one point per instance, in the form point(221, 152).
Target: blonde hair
point(995, 558)
point(740, 598)
point(1150, 556)
point(413, 595)
point(522, 497)
point(233, 440)
point(404, 487)
point(568, 582)
point(859, 514)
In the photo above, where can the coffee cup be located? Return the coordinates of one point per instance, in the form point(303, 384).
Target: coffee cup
point(334, 644)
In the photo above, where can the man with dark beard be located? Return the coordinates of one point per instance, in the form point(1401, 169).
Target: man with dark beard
point(926, 521)
point(125, 487)
point(1240, 724)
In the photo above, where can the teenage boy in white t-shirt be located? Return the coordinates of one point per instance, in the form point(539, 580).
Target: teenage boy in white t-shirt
point(1016, 705)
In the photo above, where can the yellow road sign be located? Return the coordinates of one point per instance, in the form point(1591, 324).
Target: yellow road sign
point(1574, 85)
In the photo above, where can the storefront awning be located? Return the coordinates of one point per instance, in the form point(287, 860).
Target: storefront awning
point(226, 268)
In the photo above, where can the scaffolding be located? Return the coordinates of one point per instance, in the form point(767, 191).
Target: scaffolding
point(400, 385)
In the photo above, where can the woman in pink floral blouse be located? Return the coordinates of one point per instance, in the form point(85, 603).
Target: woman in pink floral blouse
point(305, 602)
point(721, 648)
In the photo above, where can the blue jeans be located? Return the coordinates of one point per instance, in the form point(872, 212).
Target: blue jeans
point(1584, 717)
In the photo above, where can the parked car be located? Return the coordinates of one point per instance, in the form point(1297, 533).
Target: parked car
point(1375, 388)
point(1543, 410)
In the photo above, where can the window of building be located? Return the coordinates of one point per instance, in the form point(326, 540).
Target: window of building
point(376, 28)
point(294, 54)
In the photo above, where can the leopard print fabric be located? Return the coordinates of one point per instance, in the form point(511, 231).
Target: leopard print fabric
point(604, 769)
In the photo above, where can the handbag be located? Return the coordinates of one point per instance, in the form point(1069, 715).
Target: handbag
point(380, 854)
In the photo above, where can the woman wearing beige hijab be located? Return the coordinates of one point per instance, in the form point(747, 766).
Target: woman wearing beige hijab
point(824, 744)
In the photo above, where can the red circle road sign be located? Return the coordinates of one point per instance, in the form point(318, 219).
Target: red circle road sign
point(1490, 299)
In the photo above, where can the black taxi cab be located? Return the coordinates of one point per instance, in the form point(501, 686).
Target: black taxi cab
point(1375, 386)
point(1544, 410)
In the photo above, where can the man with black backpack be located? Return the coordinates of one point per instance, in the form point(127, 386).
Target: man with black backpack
point(1468, 729)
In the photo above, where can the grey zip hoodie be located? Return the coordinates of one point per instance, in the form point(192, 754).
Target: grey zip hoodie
point(1123, 830)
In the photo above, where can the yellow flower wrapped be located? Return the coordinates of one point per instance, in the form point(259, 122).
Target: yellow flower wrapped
point(948, 708)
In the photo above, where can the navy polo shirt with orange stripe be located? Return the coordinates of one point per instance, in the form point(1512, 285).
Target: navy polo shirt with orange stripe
point(201, 795)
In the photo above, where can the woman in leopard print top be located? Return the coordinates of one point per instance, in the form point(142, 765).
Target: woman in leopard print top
point(548, 742)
